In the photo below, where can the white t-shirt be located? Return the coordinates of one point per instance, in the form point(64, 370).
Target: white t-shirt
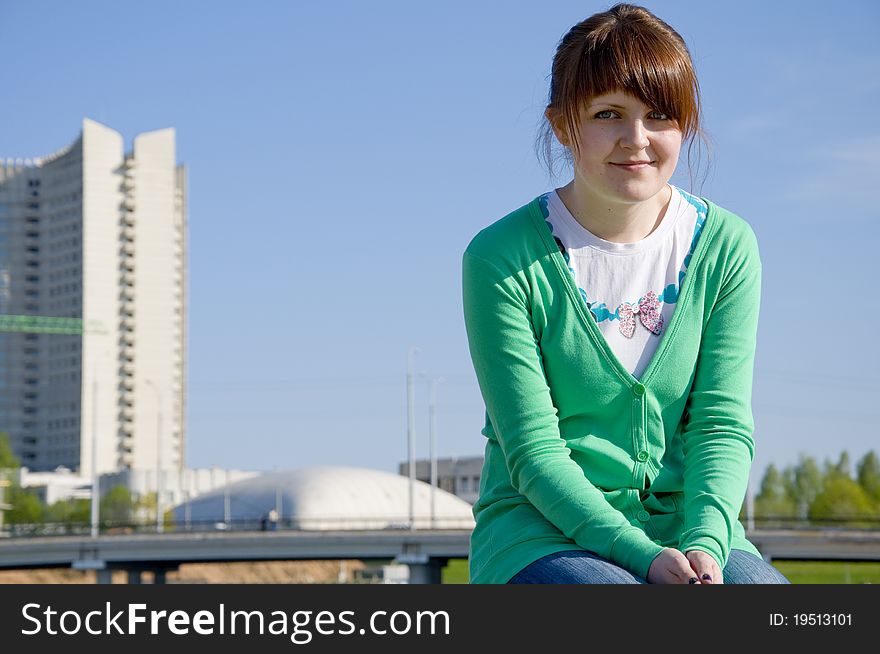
point(630, 288)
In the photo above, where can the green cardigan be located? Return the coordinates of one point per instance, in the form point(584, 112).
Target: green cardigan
point(581, 454)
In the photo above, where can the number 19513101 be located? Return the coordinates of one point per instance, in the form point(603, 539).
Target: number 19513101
point(822, 619)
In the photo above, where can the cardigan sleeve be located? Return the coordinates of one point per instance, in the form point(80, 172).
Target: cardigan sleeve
point(717, 439)
point(507, 360)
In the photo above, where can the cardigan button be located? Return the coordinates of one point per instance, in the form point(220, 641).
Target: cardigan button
point(644, 516)
point(639, 390)
point(642, 456)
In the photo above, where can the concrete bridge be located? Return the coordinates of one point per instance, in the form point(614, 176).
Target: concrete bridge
point(424, 551)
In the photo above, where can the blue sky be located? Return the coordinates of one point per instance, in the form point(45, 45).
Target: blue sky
point(341, 156)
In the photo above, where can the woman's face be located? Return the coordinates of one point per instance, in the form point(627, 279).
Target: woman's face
point(628, 150)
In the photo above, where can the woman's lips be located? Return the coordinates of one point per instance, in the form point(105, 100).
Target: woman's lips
point(634, 166)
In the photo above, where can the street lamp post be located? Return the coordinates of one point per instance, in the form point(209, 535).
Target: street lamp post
point(432, 413)
point(158, 456)
point(95, 499)
point(411, 433)
point(95, 488)
point(227, 509)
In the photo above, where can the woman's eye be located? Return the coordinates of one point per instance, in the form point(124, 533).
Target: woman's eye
point(607, 113)
point(658, 115)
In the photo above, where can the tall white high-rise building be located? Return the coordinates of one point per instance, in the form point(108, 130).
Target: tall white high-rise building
point(97, 234)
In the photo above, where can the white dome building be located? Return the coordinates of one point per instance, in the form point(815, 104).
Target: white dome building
point(326, 498)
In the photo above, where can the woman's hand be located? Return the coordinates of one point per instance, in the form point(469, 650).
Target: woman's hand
point(673, 567)
point(705, 567)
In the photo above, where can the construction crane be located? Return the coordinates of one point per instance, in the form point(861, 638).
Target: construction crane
point(47, 325)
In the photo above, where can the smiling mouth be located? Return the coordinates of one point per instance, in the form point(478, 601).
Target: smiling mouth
point(633, 166)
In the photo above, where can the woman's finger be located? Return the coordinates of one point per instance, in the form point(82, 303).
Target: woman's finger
point(685, 573)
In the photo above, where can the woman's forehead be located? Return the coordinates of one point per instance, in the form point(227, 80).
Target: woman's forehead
point(619, 97)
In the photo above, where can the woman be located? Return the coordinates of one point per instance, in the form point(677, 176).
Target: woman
point(612, 327)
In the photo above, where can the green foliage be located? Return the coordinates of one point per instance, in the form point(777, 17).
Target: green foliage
point(868, 471)
point(841, 469)
point(826, 495)
point(168, 521)
point(804, 483)
point(842, 498)
point(70, 512)
point(117, 507)
point(774, 500)
point(146, 504)
point(26, 506)
point(7, 458)
point(145, 508)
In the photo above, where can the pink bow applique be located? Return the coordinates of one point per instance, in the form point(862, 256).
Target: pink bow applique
point(648, 309)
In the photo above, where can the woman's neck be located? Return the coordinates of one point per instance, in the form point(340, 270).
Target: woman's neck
point(617, 223)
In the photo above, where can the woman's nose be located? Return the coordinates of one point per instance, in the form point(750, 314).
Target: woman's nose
point(635, 136)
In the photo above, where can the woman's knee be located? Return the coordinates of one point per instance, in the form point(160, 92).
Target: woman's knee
point(747, 568)
point(574, 567)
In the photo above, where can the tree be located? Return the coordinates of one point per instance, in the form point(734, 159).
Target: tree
point(840, 469)
point(168, 520)
point(26, 506)
point(868, 474)
point(146, 508)
point(7, 458)
point(146, 511)
point(70, 512)
point(774, 501)
point(842, 498)
point(117, 506)
point(805, 483)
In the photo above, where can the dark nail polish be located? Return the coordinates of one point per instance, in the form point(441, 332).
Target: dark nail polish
point(693, 580)
point(707, 577)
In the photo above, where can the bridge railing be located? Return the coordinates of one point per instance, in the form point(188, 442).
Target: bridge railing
point(837, 522)
point(360, 523)
point(332, 523)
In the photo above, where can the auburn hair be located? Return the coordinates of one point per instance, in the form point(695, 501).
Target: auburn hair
point(626, 48)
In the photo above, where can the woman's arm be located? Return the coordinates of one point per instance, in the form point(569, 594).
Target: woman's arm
point(507, 361)
point(717, 439)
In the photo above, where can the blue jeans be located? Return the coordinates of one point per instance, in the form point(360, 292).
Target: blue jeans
point(582, 567)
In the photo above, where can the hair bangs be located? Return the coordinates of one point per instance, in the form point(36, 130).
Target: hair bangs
point(625, 49)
